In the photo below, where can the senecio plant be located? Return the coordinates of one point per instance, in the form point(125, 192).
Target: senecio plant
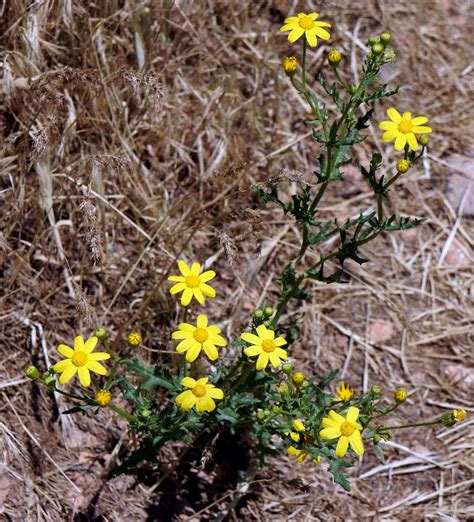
point(254, 388)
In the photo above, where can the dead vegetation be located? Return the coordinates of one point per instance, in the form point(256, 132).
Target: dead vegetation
point(132, 134)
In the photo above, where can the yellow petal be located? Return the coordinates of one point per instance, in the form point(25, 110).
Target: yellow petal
point(184, 268)
point(179, 279)
point(198, 295)
point(84, 376)
point(419, 120)
point(90, 344)
point(263, 333)
point(216, 393)
point(95, 367)
point(202, 381)
point(186, 345)
point(422, 130)
point(189, 382)
point(322, 24)
point(390, 135)
point(178, 287)
point(329, 423)
point(217, 340)
point(394, 115)
point(207, 276)
point(279, 341)
point(274, 359)
point(251, 338)
point(330, 433)
point(193, 351)
point(195, 269)
point(201, 321)
point(78, 343)
point(98, 356)
point(400, 142)
point(289, 27)
point(407, 116)
point(356, 442)
point(313, 16)
point(342, 445)
point(207, 290)
point(181, 334)
point(411, 138)
point(322, 33)
point(68, 374)
point(62, 366)
point(187, 296)
point(388, 125)
point(295, 34)
point(262, 361)
point(336, 417)
point(311, 38)
point(186, 327)
point(252, 350)
point(281, 353)
point(211, 350)
point(352, 414)
point(65, 350)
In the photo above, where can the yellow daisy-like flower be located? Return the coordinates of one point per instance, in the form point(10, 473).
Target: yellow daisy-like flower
point(300, 454)
point(197, 338)
point(192, 283)
point(402, 129)
point(347, 430)
point(345, 393)
point(308, 25)
point(80, 360)
point(265, 346)
point(201, 395)
point(459, 415)
point(103, 397)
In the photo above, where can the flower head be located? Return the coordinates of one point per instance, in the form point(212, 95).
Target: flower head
point(402, 166)
point(306, 24)
point(201, 395)
point(334, 58)
point(400, 396)
point(347, 430)
point(197, 338)
point(80, 359)
point(134, 339)
point(297, 425)
point(297, 378)
point(265, 346)
point(32, 373)
point(192, 283)
point(103, 397)
point(290, 64)
point(300, 453)
point(345, 393)
point(459, 415)
point(402, 129)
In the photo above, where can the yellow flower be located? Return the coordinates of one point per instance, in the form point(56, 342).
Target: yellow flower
point(201, 395)
point(402, 129)
point(297, 378)
point(81, 360)
point(192, 283)
point(306, 24)
point(459, 415)
point(197, 338)
point(134, 339)
point(103, 397)
point(402, 166)
point(297, 425)
point(301, 454)
point(400, 396)
point(265, 346)
point(347, 430)
point(334, 58)
point(345, 393)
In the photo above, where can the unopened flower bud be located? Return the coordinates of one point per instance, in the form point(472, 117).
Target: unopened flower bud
point(385, 38)
point(103, 397)
point(101, 334)
point(268, 311)
point(134, 339)
point(334, 58)
point(305, 384)
point(267, 323)
point(145, 413)
point(297, 378)
point(373, 40)
point(402, 166)
point(277, 409)
point(287, 368)
point(258, 314)
point(386, 435)
point(32, 373)
point(266, 413)
point(377, 48)
point(447, 419)
point(50, 381)
point(290, 64)
point(377, 438)
point(283, 389)
point(375, 389)
point(260, 415)
point(424, 140)
point(400, 396)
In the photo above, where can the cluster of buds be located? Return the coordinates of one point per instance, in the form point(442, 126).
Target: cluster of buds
point(379, 48)
point(262, 316)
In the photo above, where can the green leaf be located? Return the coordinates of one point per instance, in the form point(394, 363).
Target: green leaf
point(148, 374)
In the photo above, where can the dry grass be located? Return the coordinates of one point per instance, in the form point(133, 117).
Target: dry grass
point(132, 133)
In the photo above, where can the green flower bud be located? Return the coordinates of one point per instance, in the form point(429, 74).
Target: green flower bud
point(266, 413)
point(277, 409)
point(258, 314)
point(287, 368)
point(283, 389)
point(385, 38)
point(260, 415)
point(268, 311)
point(424, 140)
point(32, 373)
point(101, 334)
point(305, 384)
point(267, 323)
point(145, 413)
point(375, 389)
point(373, 40)
point(402, 166)
point(50, 381)
point(334, 58)
point(377, 48)
point(377, 438)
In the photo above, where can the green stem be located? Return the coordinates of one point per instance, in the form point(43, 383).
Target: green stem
point(392, 180)
point(122, 413)
point(380, 207)
point(303, 66)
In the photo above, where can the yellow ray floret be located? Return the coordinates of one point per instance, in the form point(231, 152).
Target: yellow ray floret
point(80, 360)
point(192, 283)
point(201, 395)
point(347, 430)
point(197, 338)
point(265, 346)
point(403, 129)
point(308, 25)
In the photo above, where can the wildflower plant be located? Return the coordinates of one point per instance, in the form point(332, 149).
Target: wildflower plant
point(221, 388)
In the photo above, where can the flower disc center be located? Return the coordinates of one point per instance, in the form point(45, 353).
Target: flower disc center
point(79, 359)
point(201, 335)
point(405, 126)
point(268, 346)
point(347, 428)
point(199, 390)
point(192, 281)
point(306, 23)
